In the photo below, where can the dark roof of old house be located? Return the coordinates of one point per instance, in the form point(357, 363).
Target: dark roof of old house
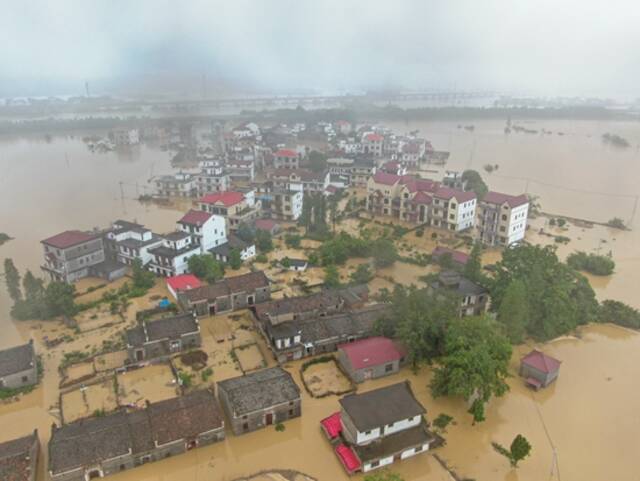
point(230, 285)
point(15, 462)
point(381, 406)
point(394, 443)
point(166, 328)
point(93, 440)
point(233, 242)
point(336, 327)
point(260, 390)
point(317, 301)
point(453, 281)
point(16, 359)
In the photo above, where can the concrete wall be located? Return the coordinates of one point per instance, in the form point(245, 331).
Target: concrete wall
point(162, 347)
point(257, 420)
point(544, 378)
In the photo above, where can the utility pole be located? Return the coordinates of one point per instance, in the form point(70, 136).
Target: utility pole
point(86, 88)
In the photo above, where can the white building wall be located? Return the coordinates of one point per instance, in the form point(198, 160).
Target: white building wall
point(248, 253)
point(296, 205)
point(364, 438)
point(401, 425)
point(214, 233)
point(518, 223)
point(465, 214)
point(382, 462)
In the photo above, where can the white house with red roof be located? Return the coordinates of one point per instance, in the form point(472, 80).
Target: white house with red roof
point(286, 159)
point(502, 218)
point(235, 207)
point(371, 358)
point(69, 256)
point(208, 230)
point(372, 144)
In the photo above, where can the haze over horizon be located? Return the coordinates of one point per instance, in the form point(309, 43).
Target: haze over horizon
point(544, 48)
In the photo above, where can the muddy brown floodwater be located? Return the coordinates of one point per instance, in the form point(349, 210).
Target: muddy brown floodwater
point(583, 428)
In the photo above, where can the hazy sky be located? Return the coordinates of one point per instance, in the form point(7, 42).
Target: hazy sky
point(537, 47)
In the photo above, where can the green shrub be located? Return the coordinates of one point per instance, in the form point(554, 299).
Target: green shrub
point(592, 263)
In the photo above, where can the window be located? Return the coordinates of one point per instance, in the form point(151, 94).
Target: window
point(25, 379)
point(375, 464)
point(418, 449)
point(388, 368)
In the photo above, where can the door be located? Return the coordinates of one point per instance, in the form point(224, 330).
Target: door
point(139, 355)
point(212, 309)
point(250, 300)
point(268, 419)
point(191, 444)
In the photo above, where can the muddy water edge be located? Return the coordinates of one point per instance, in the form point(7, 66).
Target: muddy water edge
point(46, 187)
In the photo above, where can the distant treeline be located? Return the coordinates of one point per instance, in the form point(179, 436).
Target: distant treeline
point(356, 113)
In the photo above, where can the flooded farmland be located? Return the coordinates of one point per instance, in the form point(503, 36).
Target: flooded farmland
point(591, 409)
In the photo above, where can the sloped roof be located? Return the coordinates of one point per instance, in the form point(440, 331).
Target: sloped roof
point(69, 238)
point(381, 406)
point(16, 359)
point(541, 361)
point(259, 390)
point(286, 153)
point(422, 198)
point(457, 256)
point(226, 198)
point(511, 200)
point(15, 464)
point(385, 178)
point(183, 282)
point(266, 224)
point(373, 351)
point(374, 137)
point(195, 217)
point(449, 193)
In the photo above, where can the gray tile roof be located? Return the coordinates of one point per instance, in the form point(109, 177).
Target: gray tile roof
point(93, 440)
point(260, 390)
point(229, 285)
point(394, 443)
point(16, 359)
point(382, 406)
point(15, 464)
point(165, 328)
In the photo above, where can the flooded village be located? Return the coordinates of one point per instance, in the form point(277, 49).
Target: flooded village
point(238, 288)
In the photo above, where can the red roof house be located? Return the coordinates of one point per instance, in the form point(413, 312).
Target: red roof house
point(500, 199)
point(227, 199)
point(458, 257)
point(68, 239)
point(286, 153)
point(195, 217)
point(182, 282)
point(370, 358)
point(539, 369)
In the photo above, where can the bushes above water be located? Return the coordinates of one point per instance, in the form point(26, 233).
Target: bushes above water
point(592, 263)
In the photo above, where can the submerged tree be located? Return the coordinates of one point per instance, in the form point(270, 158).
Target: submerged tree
point(519, 449)
point(512, 312)
point(475, 183)
point(12, 280)
point(475, 364)
point(473, 267)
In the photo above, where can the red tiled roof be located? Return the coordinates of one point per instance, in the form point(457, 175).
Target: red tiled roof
point(512, 200)
point(414, 184)
point(226, 198)
point(265, 224)
point(373, 351)
point(286, 153)
point(183, 282)
point(449, 193)
point(385, 178)
point(332, 425)
point(374, 137)
point(540, 361)
point(422, 198)
point(195, 217)
point(348, 458)
point(457, 256)
point(69, 238)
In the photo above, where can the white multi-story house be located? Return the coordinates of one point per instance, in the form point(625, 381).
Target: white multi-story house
point(70, 256)
point(172, 256)
point(502, 218)
point(311, 182)
point(286, 159)
point(372, 144)
point(240, 170)
point(130, 241)
point(250, 129)
point(206, 229)
point(212, 178)
point(453, 209)
point(181, 184)
point(236, 207)
point(379, 427)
